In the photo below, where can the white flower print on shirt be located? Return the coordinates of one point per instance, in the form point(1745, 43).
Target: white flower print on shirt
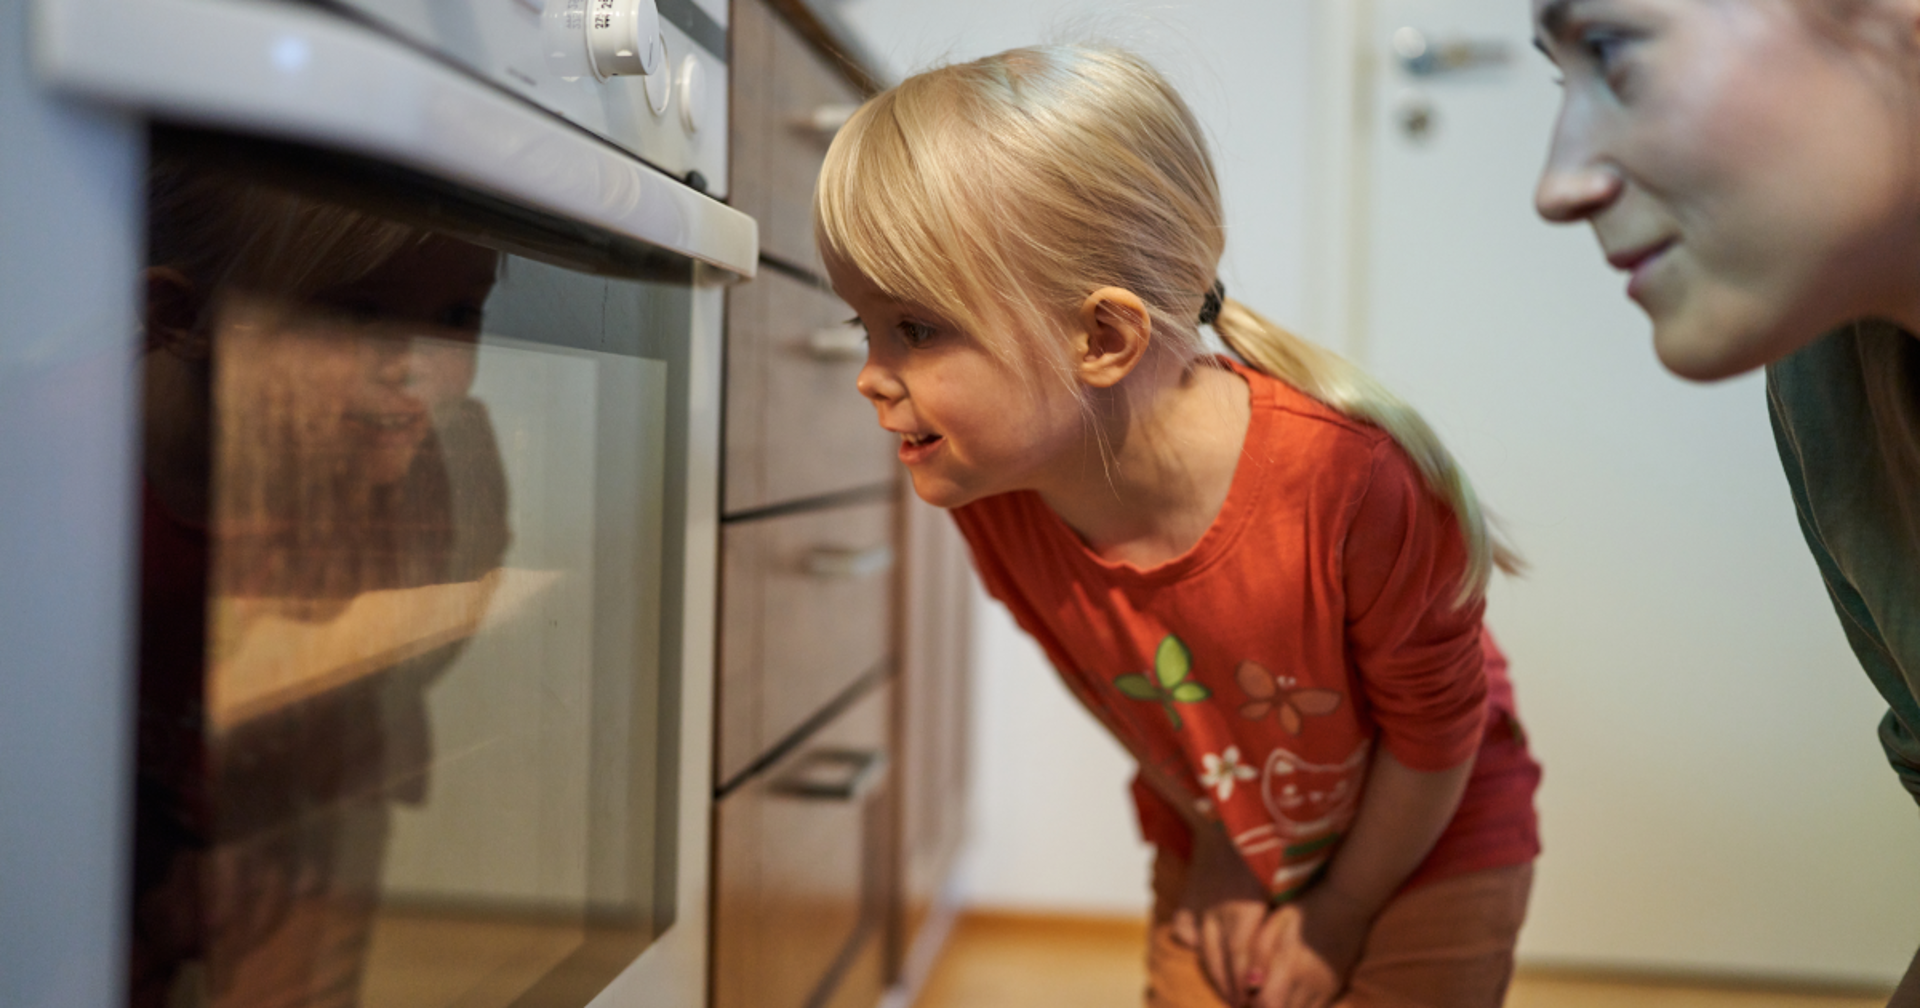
point(1223, 770)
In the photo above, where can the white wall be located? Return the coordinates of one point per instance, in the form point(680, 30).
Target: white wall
point(1053, 825)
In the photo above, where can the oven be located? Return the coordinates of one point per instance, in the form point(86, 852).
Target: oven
point(358, 500)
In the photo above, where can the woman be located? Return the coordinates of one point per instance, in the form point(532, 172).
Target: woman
point(1754, 166)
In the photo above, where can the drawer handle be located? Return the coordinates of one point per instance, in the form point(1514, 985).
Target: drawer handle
point(834, 564)
point(838, 775)
point(826, 120)
point(837, 344)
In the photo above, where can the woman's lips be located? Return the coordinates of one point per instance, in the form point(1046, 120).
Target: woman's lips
point(1638, 262)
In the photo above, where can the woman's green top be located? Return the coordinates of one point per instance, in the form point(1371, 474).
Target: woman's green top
point(1846, 417)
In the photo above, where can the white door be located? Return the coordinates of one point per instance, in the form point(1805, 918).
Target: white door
point(1715, 798)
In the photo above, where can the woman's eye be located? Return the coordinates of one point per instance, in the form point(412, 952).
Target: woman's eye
point(1605, 48)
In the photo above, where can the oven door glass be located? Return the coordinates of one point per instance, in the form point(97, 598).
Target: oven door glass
point(407, 672)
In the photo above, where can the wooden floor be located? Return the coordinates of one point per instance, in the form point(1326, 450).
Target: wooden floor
point(1006, 961)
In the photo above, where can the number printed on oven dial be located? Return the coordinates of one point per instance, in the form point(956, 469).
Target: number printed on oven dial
point(623, 38)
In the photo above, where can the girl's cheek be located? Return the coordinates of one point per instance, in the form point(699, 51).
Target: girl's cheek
point(443, 369)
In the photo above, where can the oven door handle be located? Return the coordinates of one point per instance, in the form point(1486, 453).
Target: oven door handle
point(294, 73)
point(835, 775)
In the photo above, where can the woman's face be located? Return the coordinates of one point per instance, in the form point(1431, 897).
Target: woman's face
point(1753, 174)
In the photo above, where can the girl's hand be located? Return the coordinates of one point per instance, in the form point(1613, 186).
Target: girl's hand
point(1309, 946)
point(1221, 913)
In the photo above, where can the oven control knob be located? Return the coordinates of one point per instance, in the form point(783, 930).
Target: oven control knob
point(659, 85)
point(693, 94)
point(623, 37)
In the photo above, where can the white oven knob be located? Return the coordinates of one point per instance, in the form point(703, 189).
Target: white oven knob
point(693, 93)
point(623, 37)
point(659, 85)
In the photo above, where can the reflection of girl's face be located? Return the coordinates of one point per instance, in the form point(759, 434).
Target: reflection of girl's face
point(361, 368)
point(1753, 175)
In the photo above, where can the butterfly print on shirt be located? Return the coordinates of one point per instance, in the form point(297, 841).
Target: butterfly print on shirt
point(1271, 693)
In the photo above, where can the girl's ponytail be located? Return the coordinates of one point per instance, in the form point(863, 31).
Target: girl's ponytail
point(1334, 380)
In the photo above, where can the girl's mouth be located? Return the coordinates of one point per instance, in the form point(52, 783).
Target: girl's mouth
point(386, 421)
point(918, 447)
point(387, 429)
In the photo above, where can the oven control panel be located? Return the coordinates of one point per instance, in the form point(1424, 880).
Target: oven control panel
point(646, 75)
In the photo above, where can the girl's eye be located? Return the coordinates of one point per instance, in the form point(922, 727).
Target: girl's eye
point(915, 334)
point(359, 313)
point(463, 316)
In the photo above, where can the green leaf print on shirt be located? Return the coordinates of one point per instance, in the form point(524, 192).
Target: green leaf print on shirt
point(1169, 684)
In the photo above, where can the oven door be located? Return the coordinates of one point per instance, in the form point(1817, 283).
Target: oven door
point(425, 407)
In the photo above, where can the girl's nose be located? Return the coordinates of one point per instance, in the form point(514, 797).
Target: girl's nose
point(878, 383)
point(1576, 183)
point(395, 363)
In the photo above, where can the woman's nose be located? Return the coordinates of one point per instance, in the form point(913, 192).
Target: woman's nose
point(1576, 182)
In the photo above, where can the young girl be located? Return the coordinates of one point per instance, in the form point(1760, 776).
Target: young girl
point(311, 439)
point(1755, 167)
point(1265, 578)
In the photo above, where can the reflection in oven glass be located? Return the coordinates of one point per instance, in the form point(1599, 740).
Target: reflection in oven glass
point(398, 635)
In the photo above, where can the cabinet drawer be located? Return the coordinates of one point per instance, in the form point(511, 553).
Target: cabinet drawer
point(806, 610)
point(796, 425)
point(801, 868)
point(777, 145)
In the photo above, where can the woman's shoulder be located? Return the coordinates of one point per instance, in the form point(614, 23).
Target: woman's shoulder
point(1830, 396)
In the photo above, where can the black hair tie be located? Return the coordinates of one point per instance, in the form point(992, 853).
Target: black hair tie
point(1210, 308)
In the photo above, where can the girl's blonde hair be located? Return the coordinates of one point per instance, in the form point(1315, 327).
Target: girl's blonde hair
point(1000, 193)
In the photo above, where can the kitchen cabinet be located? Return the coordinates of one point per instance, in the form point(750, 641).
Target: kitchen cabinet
point(840, 769)
point(932, 729)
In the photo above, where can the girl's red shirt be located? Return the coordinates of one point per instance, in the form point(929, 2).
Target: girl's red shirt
point(1314, 620)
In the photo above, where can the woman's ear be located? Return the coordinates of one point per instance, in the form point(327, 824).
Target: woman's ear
point(174, 308)
point(1115, 329)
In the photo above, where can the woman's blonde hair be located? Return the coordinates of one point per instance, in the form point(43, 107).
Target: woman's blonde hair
point(1000, 193)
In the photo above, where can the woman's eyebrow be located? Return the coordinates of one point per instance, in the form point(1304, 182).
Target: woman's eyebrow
point(1553, 20)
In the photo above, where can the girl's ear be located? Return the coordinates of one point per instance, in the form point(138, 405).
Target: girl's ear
point(1115, 329)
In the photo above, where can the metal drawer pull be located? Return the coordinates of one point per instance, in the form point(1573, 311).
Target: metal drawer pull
point(841, 775)
point(826, 120)
point(836, 564)
point(837, 344)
